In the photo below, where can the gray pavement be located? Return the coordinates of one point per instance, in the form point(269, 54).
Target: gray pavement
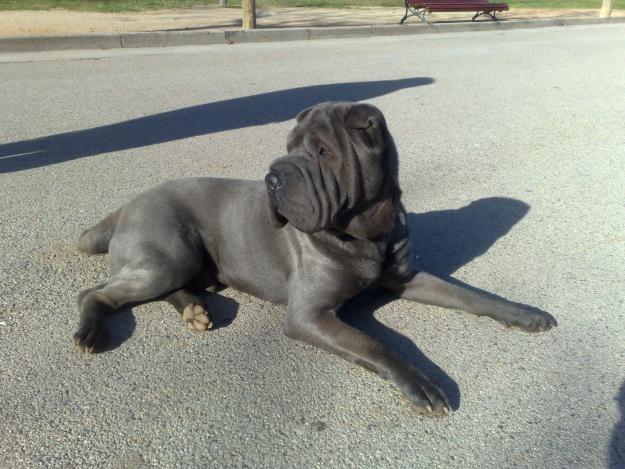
point(512, 161)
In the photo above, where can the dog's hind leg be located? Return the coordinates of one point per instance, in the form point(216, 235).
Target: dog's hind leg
point(134, 282)
point(95, 240)
point(192, 309)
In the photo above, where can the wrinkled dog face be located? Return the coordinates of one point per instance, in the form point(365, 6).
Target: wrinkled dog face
point(340, 161)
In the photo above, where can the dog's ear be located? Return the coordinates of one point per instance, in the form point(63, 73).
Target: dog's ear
point(367, 125)
point(302, 114)
point(277, 220)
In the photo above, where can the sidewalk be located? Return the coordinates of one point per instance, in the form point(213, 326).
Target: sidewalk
point(213, 18)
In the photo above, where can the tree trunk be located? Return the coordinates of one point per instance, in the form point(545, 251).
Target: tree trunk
point(606, 9)
point(249, 14)
point(223, 3)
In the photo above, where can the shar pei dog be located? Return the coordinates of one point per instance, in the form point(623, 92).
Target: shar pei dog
point(326, 223)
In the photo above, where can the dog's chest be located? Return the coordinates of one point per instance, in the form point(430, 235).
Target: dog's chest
point(357, 262)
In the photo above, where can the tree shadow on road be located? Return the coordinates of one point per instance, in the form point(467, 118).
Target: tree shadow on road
point(444, 240)
point(259, 109)
point(617, 442)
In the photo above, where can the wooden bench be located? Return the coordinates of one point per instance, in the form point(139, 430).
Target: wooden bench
point(421, 8)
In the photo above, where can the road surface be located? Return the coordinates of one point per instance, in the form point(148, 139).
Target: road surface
point(512, 151)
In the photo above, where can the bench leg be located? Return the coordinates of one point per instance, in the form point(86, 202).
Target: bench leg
point(419, 12)
point(491, 14)
point(405, 16)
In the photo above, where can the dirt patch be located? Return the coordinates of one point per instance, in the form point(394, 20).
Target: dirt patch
point(58, 252)
point(62, 22)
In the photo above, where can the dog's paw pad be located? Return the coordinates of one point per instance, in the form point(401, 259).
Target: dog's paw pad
point(196, 317)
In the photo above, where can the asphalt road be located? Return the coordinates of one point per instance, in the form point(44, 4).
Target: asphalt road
point(512, 149)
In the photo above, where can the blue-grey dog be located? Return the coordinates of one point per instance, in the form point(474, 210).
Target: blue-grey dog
point(326, 223)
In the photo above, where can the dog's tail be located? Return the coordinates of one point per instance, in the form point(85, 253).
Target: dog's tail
point(95, 240)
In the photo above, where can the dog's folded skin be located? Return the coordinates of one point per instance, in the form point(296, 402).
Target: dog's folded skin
point(326, 223)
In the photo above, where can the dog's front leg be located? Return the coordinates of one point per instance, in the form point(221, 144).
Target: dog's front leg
point(323, 329)
point(429, 289)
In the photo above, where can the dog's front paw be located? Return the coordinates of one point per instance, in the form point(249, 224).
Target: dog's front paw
point(196, 317)
point(90, 337)
point(531, 319)
point(425, 395)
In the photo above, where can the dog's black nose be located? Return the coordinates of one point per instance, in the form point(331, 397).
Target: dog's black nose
point(273, 181)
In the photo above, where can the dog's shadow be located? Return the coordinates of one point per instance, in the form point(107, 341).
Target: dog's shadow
point(119, 328)
point(442, 242)
point(223, 310)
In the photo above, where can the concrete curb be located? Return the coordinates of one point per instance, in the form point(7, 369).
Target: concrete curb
point(184, 38)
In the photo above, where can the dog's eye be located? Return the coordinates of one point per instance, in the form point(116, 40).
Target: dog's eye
point(325, 152)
